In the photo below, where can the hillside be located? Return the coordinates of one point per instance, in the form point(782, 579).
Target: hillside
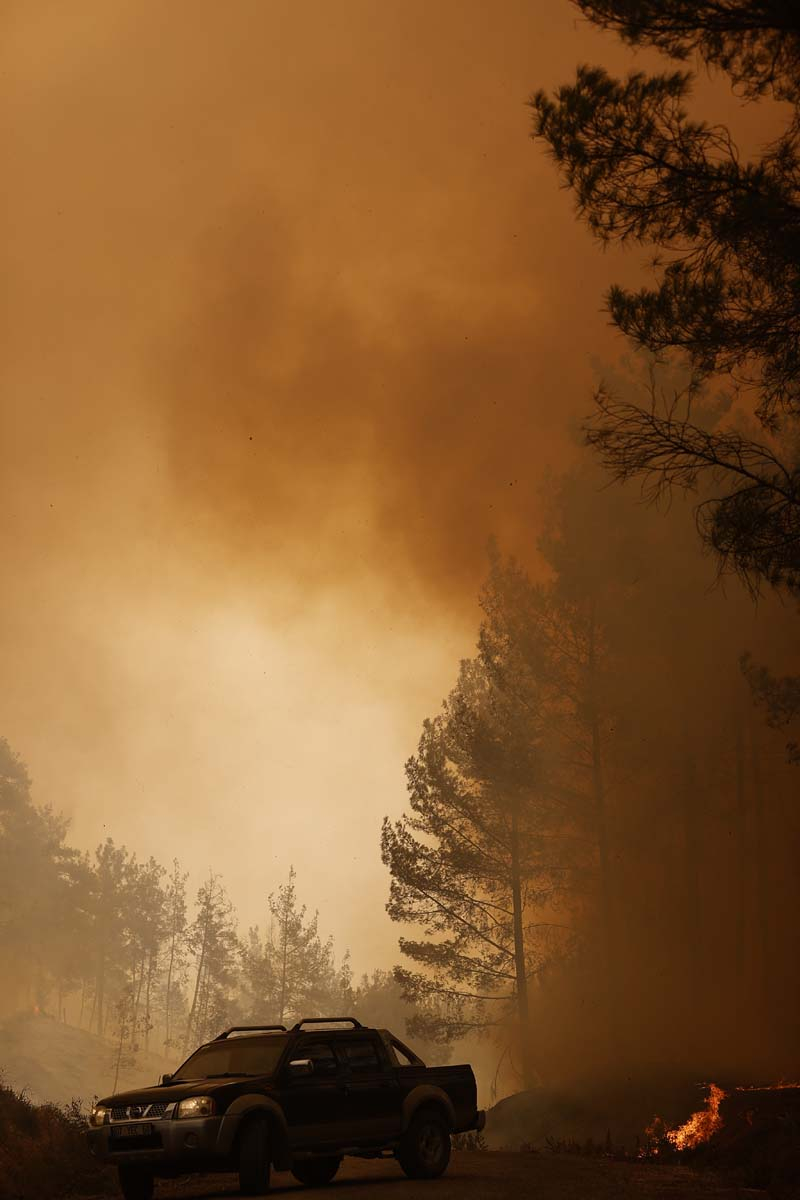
point(54, 1062)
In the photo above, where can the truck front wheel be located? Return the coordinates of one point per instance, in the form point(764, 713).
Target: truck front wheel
point(135, 1184)
point(254, 1159)
point(316, 1172)
point(424, 1150)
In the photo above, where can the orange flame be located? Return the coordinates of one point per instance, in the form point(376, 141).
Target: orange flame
point(701, 1125)
point(704, 1124)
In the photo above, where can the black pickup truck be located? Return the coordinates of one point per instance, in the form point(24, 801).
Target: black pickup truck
point(297, 1100)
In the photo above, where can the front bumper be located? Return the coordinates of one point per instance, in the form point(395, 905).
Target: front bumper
point(175, 1145)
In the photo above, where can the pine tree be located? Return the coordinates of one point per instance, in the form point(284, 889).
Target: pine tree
point(297, 953)
point(175, 949)
point(550, 637)
point(107, 926)
point(42, 928)
point(289, 972)
point(145, 914)
point(479, 863)
point(124, 1047)
point(212, 939)
point(258, 978)
point(727, 295)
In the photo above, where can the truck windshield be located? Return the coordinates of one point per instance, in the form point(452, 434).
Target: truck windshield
point(233, 1056)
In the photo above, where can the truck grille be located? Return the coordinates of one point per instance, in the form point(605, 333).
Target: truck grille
point(139, 1112)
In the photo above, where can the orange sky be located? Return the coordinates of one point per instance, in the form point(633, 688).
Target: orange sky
point(296, 316)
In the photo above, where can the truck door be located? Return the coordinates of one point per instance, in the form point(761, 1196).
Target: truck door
point(372, 1098)
point(314, 1104)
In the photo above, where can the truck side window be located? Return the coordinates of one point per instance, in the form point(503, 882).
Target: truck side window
point(322, 1056)
point(360, 1056)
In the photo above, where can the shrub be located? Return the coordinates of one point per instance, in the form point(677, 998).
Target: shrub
point(472, 1140)
point(43, 1151)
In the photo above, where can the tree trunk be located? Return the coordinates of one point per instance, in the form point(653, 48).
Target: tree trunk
point(202, 1004)
point(740, 964)
point(170, 968)
point(608, 942)
point(137, 999)
point(520, 965)
point(200, 968)
point(147, 991)
point(285, 937)
point(761, 955)
point(119, 1055)
point(99, 990)
point(693, 916)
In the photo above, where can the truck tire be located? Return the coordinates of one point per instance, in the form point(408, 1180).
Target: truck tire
point(254, 1159)
point(316, 1172)
point(135, 1184)
point(424, 1150)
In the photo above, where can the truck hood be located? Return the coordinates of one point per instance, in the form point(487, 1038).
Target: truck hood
point(189, 1087)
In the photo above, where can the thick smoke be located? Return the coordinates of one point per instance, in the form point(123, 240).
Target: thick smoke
point(297, 317)
point(287, 298)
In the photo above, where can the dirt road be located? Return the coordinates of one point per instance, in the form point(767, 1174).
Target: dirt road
point(492, 1176)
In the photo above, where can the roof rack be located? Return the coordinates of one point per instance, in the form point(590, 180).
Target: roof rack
point(248, 1029)
point(327, 1021)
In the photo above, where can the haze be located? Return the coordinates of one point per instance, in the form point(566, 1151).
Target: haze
point(289, 302)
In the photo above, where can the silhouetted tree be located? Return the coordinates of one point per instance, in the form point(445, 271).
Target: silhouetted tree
point(479, 862)
point(642, 171)
point(690, 835)
point(756, 44)
point(550, 637)
point(727, 232)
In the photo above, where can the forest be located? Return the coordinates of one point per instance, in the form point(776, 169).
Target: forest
point(593, 872)
point(601, 840)
point(596, 872)
point(113, 945)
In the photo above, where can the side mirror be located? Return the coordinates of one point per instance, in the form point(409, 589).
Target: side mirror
point(165, 1079)
point(301, 1066)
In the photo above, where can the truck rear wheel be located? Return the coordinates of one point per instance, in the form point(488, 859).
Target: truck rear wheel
point(424, 1150)
point(254, 1159)
point(135, 1184)
point(316, 1172)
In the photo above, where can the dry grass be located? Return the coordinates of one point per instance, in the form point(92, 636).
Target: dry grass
point(43, 1151)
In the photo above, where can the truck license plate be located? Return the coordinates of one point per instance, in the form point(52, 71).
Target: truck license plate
point(132, 1131)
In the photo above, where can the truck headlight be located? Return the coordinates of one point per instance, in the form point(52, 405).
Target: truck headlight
point(99, 1115)
point(196, 1106)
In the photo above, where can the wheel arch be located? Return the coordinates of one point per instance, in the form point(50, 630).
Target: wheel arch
point(427, 1095)
point(261, 1108)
